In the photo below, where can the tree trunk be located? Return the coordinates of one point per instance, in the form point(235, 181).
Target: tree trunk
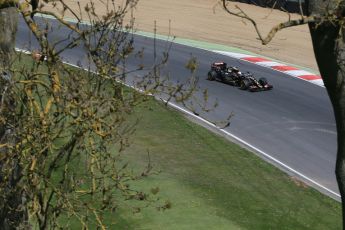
point(329, 47)
point(11, 215)
point(8, 29)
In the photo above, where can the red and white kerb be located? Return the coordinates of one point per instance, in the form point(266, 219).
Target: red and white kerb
point(290, 70)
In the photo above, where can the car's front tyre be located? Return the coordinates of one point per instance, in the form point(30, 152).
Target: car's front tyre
point(263, 81)
point(211, 76)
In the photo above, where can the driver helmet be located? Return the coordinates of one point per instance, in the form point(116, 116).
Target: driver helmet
point(236, 70)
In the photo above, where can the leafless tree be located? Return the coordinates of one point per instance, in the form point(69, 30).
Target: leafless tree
point(63, 129)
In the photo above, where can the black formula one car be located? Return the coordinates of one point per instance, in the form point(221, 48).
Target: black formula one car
point(232, 76)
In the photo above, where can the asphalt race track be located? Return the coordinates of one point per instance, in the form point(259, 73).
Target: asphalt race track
point(293, 123)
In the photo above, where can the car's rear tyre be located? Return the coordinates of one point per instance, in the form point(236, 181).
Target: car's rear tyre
point(263, 81)
point(211, 76)
point(245, 83)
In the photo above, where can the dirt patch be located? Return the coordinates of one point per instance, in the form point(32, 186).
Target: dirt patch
point(204, 20)
point(298, 182)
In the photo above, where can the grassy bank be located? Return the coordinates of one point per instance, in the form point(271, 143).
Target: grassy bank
point(214, 184)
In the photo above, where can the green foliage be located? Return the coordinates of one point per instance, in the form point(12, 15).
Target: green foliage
point(65, 122)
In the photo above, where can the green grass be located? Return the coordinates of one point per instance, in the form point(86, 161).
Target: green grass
point(215, 184)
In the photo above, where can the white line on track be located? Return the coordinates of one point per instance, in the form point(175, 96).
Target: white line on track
point(256, 149)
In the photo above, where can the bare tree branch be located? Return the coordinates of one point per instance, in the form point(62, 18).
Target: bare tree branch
point(274, 30)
